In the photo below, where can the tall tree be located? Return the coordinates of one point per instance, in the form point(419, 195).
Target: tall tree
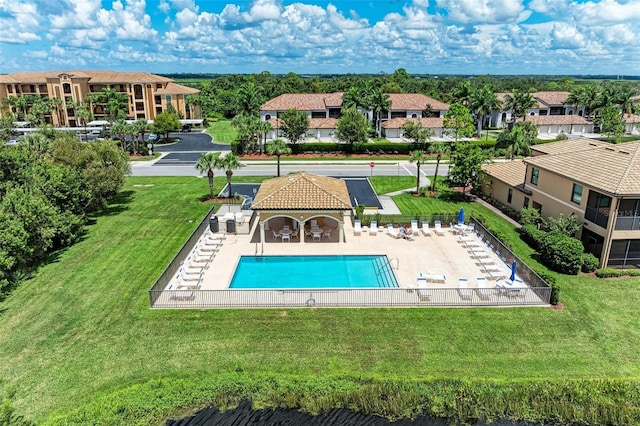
point(119, 128)
point(467, 165)
point(611, 122)
point(585, 97)
point(295, 124)
point(230, 163)
point(249, 99)
point(462, 93)
point(142, 127)
point(439, 148)
point(379, 102)
point(205, 164)
point(352, 127)
point(519, 103)
point(351, 98)
point(166, 122)
point(278, 147)
point(458, 121)
point(518, 140)
point(82, 111)
point(483, 101)
point(419, 158)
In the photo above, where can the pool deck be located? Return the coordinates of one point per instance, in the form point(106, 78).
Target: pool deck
point(434, 255)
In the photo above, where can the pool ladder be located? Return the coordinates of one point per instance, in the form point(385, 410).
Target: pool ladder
point(386, 266)
point(261, 250)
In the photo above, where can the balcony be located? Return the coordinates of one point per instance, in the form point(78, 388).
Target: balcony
point(627, 223)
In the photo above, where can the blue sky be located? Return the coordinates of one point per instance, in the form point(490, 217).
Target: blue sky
point(560, 37)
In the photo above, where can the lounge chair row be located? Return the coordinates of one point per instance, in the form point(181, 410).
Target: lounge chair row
point(189, 275)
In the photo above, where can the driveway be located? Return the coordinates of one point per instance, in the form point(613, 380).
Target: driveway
point(187, 150)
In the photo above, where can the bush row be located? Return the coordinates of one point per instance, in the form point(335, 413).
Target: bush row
point(587, 402)
point(615, 273)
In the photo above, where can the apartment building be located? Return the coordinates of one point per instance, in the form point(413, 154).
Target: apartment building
point(596, 181)
point(147, 94)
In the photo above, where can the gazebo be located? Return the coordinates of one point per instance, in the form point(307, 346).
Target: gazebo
point(300, 198)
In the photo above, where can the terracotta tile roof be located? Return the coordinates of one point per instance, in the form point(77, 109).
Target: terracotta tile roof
point(176, 89)
point(545, 120)
point(551, 98)
point(614, 169)
point(322, 101)
point(569, 145)
point(428, 122)
point(302, 191)
point(108, 77)
point(415, 101)
point(314, 123)
point(303, 102)
point(510, 172)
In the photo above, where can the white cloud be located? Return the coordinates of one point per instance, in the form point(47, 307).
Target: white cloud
point(566, 36)
point(607, 11)
point(19, 22)
point(486, 11)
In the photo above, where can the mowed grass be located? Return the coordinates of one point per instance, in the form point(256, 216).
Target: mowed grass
point(82, 327)
point(222, 131)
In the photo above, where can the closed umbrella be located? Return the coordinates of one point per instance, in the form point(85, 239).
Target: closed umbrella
point(461, 216)
point(513, 272)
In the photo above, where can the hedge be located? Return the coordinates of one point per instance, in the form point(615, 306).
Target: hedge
point(561, 252)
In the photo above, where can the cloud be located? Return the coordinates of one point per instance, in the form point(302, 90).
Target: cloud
point(485, 11)
point(566, 36)
point(19, 21)
point(607, 11)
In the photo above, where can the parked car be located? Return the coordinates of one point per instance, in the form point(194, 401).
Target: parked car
point(153, 137)
point(12, 141)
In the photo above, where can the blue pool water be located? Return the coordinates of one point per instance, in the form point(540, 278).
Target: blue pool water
point(285, 272)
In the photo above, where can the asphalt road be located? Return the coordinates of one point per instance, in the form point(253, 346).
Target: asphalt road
point(180, 157)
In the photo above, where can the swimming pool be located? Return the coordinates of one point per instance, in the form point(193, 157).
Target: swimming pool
point(293, 272)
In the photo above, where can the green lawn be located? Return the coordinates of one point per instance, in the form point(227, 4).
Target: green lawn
point(222, 131)
point(81, 330)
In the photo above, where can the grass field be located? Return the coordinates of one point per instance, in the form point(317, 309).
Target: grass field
point(222, 131)
point(81, 330)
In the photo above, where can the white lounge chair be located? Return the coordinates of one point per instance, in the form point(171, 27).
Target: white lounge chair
point(414, 228)
point(239, 218)
point(391, 231)
point(425, 228)
point(214, 235)
point(437, 228)
point(357, 227)
point(482, 291)
point(424, 294)
point(463, 290)
point(373, 228)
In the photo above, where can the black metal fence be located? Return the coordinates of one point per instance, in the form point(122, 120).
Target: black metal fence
point(349, 298)
point(168, 273)
point(384, 219)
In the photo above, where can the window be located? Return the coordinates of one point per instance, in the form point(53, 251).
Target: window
point(267, 117)
point(526, 202)
point(318, 114)
point(167, 98)
point(534, 176)
point(576, 196)
point(9, 88)
point(509, 195)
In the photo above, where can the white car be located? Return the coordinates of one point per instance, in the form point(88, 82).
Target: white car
point(153, 137)
point(12, 142)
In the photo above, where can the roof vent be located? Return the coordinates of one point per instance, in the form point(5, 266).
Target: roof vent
point(609, 149)
point(624, 152)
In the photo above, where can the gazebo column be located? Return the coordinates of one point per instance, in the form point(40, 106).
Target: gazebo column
point(301, 231)
point(262, 238)
point(340, 232)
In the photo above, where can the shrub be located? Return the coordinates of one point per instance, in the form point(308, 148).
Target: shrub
point(614, 273)
point(561, 253)
point(236, 148)
point(589, 262)
point(530, 216)
point(555, 290)
point(531, 235)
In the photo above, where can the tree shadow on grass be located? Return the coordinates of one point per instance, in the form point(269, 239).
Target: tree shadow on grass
point(116, 205)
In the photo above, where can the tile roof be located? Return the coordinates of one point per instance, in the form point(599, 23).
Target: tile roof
point(303, 102)
point(415, 101)
point(568, 145)
point(93, 76)
point(314, 123)
point(614, 169)
point(176, 89)
point(510, 172)
point(428, 122)
point(546, 120)
point(551, 98)
point(633, 118)
point(302, 191)
point(322, 101)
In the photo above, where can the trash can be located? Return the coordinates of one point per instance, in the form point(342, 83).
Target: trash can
point(214, 226)
point(231, 226)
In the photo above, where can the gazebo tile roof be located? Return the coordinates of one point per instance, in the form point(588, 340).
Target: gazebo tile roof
point(302, 191)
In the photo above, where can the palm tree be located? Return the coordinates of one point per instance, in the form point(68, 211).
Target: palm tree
point(519, 103)
point(206, 163)
point(264, 127)
point(249, 99)
point(438, 148)
point(132, 130)
point(419, 158)
point(83, 113)
point(278, 147)
point(483, 101)
point(380, 103)
point(56, 104)
point(119, 128)
point(463, 93)
point(142, 126)
point(229, 163)
point(351, 98)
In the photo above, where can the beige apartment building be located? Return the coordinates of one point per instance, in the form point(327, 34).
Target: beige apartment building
point(596, 181)
point(147, 94)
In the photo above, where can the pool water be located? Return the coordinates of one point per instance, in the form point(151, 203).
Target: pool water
point(291, 272)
